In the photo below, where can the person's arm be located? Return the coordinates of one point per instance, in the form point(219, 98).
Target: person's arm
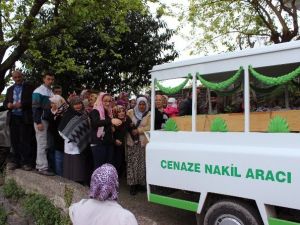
point(146, 127)
point(26, 102)
point(37, 110)
point(7, 100)
point(97, 122)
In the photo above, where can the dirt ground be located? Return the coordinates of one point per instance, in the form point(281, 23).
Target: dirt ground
point(153, 213)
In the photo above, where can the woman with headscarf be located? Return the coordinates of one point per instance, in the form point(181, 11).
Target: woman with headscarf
point(102, 208)
point(58, 107)
point(102, 141)
point(119, 111)
point(136, 165)
point(74, 128)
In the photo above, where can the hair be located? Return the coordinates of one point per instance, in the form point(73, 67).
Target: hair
point(17, 71)
point(48, 73)
point(56, 87)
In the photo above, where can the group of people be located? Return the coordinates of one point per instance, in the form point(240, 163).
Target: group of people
point(74, 136)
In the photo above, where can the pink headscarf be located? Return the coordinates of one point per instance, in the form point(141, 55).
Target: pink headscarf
point(104, 183)
point(99, 106)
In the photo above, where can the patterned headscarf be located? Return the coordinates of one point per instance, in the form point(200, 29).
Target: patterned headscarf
point(99, 106)
point(104, 183)
point(137, 112)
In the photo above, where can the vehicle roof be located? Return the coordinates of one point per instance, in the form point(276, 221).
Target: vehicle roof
point(274, 59)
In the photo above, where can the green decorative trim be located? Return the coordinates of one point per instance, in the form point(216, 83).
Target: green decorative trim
point(275, 221)
point(229, 92)
point(172, 90)
point(174, 202)
point(278, 125)
point(170, 125)
point(218, 125)
point(221, 85)
point(275, 80)
point(264, 90)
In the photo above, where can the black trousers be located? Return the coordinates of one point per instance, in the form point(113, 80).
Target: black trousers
point(119, 159)
point(21, 136)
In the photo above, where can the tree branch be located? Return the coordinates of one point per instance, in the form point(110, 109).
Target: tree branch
point(293, 13)
point(285, 28)
point(262, 12)
point(3, 47)
point(22, 37)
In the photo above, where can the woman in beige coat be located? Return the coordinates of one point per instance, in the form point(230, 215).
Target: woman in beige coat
point(136, 164)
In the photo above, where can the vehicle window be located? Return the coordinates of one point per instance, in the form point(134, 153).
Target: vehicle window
point(220, 102)
point(173, 104)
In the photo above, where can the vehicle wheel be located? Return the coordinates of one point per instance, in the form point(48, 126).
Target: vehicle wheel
point(231, 213)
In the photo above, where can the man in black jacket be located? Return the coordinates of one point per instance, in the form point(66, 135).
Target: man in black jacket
point(18, 102)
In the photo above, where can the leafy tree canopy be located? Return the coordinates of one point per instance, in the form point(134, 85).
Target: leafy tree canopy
point(24, 23)
point(86, 58)
point(232, 24)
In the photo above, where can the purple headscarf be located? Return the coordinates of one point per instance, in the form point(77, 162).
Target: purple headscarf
point(104, 183)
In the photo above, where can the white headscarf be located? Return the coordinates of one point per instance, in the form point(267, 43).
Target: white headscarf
point(137, 112)
point(60, 103)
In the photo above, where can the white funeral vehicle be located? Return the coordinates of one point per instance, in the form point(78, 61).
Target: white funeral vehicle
point(247, 175)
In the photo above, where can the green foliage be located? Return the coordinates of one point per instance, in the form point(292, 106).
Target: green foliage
point(42, 210)
point(278, 125)
point(172, 90)
point(12, 190)
point(218, 125)
point(278, 80)
point(109, 59)
point(237, 24)
point(170, 125)
point(25, 23)
point(221, 85)
point(2, 97)
point(3, 216)
point(35, 205)
point(68, 196)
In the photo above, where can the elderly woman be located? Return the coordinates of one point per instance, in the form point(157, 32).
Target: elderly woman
point(136, 165)
point(102, 208)
point(75, 130)
point(58, 107)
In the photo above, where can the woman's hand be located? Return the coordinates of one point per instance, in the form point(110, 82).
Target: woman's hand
point(118, 142)
point(116, 122)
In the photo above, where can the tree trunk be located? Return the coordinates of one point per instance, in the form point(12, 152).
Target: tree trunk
point(2, 81)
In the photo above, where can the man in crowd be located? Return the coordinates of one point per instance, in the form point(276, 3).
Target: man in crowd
point(41, 112)
point(18, 102)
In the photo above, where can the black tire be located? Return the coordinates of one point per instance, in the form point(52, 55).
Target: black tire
point(231, 213)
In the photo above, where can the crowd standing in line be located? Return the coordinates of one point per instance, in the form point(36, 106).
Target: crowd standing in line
point(74, 136)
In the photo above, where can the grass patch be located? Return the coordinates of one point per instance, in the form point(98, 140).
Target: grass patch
point(12, 190)
point(37, 206)
point(3, 216)
point(68, 196)
point(41, 209)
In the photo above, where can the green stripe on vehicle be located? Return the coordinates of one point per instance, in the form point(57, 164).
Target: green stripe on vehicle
point(274, 221)
point(174, 202)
